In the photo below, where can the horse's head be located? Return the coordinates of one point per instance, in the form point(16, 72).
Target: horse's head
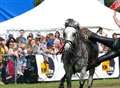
point(71, 33)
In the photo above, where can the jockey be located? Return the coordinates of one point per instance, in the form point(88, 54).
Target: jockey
point(112, 43)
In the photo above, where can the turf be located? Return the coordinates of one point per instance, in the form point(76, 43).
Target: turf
point(104, 83)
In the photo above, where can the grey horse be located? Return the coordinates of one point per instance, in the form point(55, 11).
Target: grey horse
point(78, 53)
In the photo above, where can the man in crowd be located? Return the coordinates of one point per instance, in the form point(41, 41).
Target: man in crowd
point(21, 38)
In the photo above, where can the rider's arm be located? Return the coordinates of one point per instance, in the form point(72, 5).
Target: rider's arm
point(117, 21)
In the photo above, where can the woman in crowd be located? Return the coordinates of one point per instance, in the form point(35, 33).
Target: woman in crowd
point(3, 51)
point(12, 47)
point(57, 41)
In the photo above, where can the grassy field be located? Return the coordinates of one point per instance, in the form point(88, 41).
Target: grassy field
point(106, 83)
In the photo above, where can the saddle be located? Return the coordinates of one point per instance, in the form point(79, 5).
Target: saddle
point(85, 33)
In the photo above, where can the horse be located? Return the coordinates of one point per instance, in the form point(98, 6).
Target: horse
point(78, 53)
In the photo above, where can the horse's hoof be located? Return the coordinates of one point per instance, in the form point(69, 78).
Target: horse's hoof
point(81, 87)
point(61, 87)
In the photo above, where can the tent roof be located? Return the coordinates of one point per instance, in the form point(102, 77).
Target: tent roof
point(53, 13)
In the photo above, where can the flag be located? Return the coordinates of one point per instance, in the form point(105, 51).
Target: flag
point(115, 5)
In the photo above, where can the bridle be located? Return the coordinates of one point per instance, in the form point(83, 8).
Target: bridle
point(65, 42)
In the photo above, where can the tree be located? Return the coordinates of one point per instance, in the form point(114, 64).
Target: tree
point(37, 2)
point(108, 3)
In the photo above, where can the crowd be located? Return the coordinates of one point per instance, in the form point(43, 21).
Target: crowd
point(51, 43)
point(23, 45)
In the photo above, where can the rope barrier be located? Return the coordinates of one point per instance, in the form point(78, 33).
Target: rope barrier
point(55, 29)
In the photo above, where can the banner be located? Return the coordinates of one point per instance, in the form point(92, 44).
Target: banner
point(53, 70)
point(115, 5)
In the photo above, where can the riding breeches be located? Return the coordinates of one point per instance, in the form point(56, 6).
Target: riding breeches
point(109, 42)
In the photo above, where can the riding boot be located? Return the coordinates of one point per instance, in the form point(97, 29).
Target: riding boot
point(108, 56)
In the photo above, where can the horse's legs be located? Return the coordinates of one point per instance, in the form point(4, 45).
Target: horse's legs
point(90, 79)
point(82, 82)
point(69, 73)
point(68, 77)
point(83, 72)
point(62, 81)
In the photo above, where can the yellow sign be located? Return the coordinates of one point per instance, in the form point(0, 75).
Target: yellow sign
point(44, 68)
point(106, 65)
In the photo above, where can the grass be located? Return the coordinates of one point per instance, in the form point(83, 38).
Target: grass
point(106, 83)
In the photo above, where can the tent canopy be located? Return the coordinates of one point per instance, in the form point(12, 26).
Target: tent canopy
point(12, 8)
point(53, 13)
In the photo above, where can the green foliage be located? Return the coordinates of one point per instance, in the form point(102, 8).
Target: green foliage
point(37, 2)
point(108, 3)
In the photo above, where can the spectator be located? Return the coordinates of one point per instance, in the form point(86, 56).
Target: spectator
point(33, 46)
point(57, 42)
point(101, 32)
point(43, 45)
point(21, 38)
point(38, 35)
point(12, 47)
point(3, 48)
point(115, 36)
point(29, 50)
point(29, 38)
point(102, 48)
point(10, 39)
point(40, 45)
point(3, 51)
point(31, 35)
point(29, 45)
point(23, 49)
point(10, 36)
point(50, 43)
point(21, 62)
